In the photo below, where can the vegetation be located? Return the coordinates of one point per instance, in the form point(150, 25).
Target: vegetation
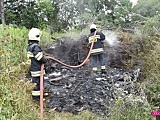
point(60, 16)
point(64, 14)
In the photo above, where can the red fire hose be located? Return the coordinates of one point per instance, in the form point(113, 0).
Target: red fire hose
point(42, 72)
point(41, 91)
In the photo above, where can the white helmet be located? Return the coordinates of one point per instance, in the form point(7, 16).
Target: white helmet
point(34, 34)
point(93, 26)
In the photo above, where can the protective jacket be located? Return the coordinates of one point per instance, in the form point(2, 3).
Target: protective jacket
point(98, 45)
point(36, 56)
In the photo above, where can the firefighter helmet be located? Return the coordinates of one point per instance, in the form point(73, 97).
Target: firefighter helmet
point(93, 26)
point(34, 34)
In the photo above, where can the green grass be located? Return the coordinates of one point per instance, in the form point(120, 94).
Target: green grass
point(15, 97)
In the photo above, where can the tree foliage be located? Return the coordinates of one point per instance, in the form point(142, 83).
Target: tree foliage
point(147, 8)
point(61, 14)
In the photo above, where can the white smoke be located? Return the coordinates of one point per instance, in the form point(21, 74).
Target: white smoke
point(111, 38)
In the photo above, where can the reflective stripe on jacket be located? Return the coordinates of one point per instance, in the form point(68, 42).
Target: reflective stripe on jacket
point(98, 45)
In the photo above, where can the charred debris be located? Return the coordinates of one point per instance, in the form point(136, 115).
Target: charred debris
point(75, 90)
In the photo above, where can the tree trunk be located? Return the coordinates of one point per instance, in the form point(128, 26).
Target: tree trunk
point(2, 11)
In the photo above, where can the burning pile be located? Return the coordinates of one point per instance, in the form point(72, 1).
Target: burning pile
point(74, 90)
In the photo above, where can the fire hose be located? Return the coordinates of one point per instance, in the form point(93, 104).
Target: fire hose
point(41, 91)
point(70, 66)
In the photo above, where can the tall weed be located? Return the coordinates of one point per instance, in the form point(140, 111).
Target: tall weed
point(13, 44)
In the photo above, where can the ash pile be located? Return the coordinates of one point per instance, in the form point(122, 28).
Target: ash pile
point(75, 90)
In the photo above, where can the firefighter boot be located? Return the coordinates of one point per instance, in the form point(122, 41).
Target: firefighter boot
point(103, 71)
point(37, 99)
point(45, 94)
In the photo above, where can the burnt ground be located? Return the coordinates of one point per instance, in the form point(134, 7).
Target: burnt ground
point(75, 90)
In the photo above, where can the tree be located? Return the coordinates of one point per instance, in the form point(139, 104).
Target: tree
point(2, 11)
point(123, 13)
point(32, 13)
point(147, 8)
point(105, 12)
point(49, 11)
point(22, 13)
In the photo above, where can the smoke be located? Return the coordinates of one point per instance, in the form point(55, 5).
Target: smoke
point(111, 38)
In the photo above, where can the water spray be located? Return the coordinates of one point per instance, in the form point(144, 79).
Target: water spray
point(111, 38)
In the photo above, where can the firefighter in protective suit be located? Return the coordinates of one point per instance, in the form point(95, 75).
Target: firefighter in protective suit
point(97, 50)
point(36, 56)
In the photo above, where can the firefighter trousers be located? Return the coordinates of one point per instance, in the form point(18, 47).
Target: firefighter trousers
point(95, 58)
point(36, 89)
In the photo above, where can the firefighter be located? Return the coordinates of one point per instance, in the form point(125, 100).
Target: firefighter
point(36, 56)
point(97, 50)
